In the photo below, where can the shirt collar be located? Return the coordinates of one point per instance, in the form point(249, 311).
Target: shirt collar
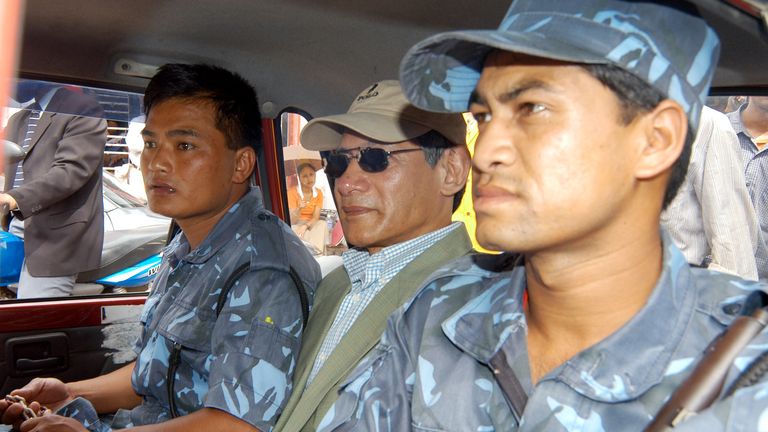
point(745, 138)
point(621, 367)
point(382, 266)
point(46, 99)
point(301, 193)
point(222, 232)
point(738, 124)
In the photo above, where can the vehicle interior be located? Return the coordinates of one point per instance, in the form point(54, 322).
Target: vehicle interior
point(305, 58)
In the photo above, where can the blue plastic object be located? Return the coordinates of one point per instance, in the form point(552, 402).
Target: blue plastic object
point(136, 275)
point(11, 257)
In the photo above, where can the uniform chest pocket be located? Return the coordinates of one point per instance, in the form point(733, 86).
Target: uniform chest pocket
point(185, 324)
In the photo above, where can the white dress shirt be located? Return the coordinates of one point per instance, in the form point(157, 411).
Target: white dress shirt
point(712, 214)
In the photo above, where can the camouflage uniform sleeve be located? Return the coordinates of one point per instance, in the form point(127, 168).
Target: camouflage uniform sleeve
point(254, 345)
point(81, 410)
point(377, 394)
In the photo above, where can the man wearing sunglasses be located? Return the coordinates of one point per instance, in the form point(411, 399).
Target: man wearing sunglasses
point(398, 173)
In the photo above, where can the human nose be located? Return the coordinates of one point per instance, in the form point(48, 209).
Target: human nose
point(156, 159)
point(352, 179)
point(494, 148)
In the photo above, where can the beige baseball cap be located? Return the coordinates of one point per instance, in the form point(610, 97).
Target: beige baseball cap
point(382, 113)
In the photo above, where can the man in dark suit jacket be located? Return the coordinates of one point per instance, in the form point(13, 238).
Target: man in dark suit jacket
point(58, 208)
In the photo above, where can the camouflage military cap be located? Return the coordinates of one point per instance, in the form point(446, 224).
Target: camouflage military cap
point(668, 46)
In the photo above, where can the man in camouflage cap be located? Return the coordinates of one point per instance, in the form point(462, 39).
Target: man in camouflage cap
point(586, 111)
point(222, 325)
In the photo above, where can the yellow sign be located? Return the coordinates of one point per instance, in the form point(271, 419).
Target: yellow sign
point(465, 213)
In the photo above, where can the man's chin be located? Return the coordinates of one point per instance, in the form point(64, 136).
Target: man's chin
point(163, 209)
point(497, 240)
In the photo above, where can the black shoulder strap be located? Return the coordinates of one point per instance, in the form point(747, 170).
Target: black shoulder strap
point(510, 385)
point(173, 361)
point(227, 287)
point(297, 282)
point(302, 296)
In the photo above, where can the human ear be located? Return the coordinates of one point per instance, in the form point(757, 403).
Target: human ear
point(664, 131)
point(455, 162)
point(245, 161)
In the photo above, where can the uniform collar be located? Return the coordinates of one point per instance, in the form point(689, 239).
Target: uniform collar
point(621, 367)
point(222, 232)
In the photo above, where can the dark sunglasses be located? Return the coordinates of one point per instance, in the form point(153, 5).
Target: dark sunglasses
point(370, 159)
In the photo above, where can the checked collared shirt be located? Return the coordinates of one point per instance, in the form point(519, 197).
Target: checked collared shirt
point(368, 274)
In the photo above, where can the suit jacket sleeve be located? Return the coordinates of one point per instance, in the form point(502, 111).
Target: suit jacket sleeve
point(78, 154)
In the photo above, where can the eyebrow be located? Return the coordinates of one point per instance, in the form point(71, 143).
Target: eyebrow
point(514, 92)
point(172, 133)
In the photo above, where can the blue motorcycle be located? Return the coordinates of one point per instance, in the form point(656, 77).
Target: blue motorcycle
point(129, 261)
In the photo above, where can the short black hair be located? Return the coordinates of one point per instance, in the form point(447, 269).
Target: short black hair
point(636, 97)
point(233, 98)
point(434, 144)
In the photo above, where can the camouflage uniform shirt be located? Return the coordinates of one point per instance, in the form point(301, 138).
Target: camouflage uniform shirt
point(431, 370)
point(240, 361)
